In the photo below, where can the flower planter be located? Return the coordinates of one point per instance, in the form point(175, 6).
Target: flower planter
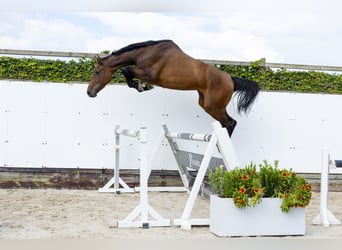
point(266, 218)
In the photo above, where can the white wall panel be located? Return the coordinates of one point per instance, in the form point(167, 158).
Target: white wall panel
point(288, 127)
point(4, 90)
point(58, 125)
point(25, 124)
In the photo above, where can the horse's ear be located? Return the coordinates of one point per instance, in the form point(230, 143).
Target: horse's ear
point(98, 59)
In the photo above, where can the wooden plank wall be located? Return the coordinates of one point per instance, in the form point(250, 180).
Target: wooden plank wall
point(70, 178)
point(63, 178)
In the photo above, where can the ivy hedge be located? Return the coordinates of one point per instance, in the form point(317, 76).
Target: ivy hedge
point(81, 70)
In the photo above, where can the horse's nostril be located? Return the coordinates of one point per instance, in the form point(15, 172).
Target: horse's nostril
point(90, 94)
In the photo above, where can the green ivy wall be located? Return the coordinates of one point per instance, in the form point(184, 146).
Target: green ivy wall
point(81, 70)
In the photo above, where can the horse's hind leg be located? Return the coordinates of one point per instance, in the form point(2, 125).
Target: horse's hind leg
point(231, 125)
point(217, 110)
point(226, 121)
point(129, 74)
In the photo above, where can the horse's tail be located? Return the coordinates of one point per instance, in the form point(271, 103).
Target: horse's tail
point(247, 92)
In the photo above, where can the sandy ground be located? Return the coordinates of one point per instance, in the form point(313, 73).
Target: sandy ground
point(74, 214)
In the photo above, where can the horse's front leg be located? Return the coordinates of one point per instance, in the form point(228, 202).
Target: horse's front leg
point(129, 75)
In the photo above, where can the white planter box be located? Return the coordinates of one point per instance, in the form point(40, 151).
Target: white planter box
point(266, 218)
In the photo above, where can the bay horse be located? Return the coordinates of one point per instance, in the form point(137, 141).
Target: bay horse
point(163, 63)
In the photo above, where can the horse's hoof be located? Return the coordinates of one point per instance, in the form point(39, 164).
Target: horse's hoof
point(148, 87)
point(231, 127)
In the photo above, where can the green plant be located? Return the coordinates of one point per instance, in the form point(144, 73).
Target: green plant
point(247, 186)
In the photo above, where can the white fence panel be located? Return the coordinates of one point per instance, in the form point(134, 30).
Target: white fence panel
point(60, 122)
point(4, 95)
point(25, 125)
point(291, 128)
point(58, 125)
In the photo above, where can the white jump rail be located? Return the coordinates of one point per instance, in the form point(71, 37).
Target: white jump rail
point(219, 138)
point(143, 209)
point(325, 217)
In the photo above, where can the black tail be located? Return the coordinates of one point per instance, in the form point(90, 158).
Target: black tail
point(247, 92)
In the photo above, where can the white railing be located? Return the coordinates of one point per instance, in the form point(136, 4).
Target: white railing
point(219, 62)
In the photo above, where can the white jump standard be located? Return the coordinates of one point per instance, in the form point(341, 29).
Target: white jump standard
point(143, 210)
point(219, 138)
point(116, 181)
point(325, 217)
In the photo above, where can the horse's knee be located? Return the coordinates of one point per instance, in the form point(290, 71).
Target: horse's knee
point(129, 75)
point(126, 71)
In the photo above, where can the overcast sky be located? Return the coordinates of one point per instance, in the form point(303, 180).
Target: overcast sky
point(302, 31)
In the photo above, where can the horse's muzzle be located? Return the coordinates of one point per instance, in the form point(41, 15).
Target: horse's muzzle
point(91, 94)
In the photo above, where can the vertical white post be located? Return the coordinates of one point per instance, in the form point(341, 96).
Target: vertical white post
point(116, 181)
point(143, 210)
point(117, 160)
point(325, 217)
point(324, 187)
point(143, 177)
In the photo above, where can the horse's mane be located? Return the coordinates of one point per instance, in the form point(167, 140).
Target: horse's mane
point(134, 46)
point(138, 46)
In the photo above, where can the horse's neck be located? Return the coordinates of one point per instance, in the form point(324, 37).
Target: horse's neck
point(121, 60)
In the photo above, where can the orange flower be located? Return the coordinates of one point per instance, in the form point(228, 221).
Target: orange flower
point(293, 174)
point(284, 174)
point(309, 187)
point(245, 177)
point(303, 187)
point(256, 190)
point(242, 190)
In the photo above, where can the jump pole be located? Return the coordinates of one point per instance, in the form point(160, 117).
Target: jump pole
point(143, 210)
point(116, 181)
point(325, 217)
point(219, 138)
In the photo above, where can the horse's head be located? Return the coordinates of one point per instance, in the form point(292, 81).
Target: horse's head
point(102, 75)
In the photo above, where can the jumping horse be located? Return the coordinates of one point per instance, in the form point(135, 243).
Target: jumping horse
point(163, 63)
